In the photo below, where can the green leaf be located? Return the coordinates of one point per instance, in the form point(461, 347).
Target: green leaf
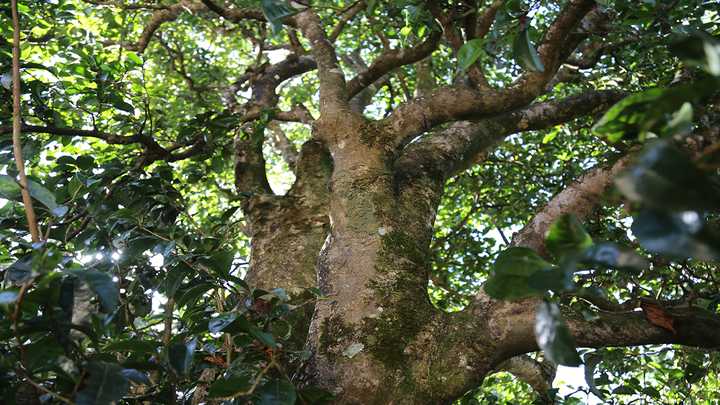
point(9, 189)
point(469, 53)
point(613, 256)
point(47, 198)
point(180, 356)
point(122, 105)
point(697, 48)
point(649, 111)
point(566, 236)
point(553, 336)
point(679, 235)
point(20, 271)
point(229, 387)
point(220, 322)
point(665, 178)
point(525, 53)
point(134, 58)
point(276, 11)
point(371, 5)
point(191, 295)
point(554, 279)
point(105, 384)
point(264, 337)
point(101, 284)
point(276, 392)
point(510, 276)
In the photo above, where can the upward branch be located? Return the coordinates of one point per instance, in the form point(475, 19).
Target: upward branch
point(453, 103)
point(333, 90)
point(17, 123)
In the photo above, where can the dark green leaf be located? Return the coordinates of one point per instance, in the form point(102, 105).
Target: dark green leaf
point(469, 53)
point(180, 356)
point(697, 48)
point(314, 395)
point(276, 11)
point(229, 387)
point(371, 5)
point(276, 392)
point(264, 337)
point(105, 384)
point(510, 276)
point(553, 279)
point(525, 53)
point(100, 283)
point(613, 256)
point(553, 336)
point(9, 189)
point(567, 236)
point(42, 194)
point(133, 345)
point(191, 295)
point(679, 235)
point(591, 361)
point(219, 323)
point(624, 390)
point(20, 271)
point(665, 178)
point(650, 110)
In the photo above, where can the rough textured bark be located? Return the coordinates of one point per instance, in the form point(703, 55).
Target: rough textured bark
point(359, 220)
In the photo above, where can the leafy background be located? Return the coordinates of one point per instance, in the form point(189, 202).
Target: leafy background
point(137, 292)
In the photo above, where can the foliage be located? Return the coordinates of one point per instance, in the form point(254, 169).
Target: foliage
point(137, 292)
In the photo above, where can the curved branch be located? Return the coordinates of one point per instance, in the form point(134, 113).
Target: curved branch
point(393, 59)
point(347, 16)
point(539, 375)
point(580, 198)
point(454, 103)
point(453, 149)
point(333, 89)
point(160, 17)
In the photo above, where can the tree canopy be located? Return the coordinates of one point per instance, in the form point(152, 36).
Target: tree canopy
point(280, 202)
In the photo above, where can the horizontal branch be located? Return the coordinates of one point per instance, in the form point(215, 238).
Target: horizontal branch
point(448, 151)
point(86, 133)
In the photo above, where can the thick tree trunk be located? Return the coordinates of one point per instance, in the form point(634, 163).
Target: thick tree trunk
point(377, 338)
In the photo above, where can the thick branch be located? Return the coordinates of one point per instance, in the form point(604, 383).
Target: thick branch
point(333, 91)
point(579, 198)
point(693, 327)
point(455, 103)
point(538, 375)
point(453, 149)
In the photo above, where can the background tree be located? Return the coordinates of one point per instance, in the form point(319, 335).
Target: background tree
point(360, 201)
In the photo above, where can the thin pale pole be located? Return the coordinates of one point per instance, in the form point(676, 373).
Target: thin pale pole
point(17, 123)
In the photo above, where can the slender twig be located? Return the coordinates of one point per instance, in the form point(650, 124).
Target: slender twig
point(17, 124)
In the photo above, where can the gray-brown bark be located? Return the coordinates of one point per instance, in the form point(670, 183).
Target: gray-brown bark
point(359, 221)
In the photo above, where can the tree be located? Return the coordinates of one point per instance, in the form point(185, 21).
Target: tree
point(381, 153)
